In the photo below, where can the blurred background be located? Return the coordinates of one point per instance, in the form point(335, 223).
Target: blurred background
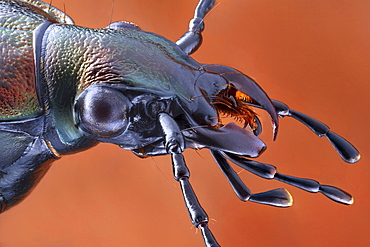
point(312, 55)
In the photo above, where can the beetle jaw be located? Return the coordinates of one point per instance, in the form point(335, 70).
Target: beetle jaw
point(232, 93)
point(229, 138)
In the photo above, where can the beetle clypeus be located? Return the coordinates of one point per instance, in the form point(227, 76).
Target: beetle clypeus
point(65, 88)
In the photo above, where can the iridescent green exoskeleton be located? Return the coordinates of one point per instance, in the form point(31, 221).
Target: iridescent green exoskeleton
point(65, 88)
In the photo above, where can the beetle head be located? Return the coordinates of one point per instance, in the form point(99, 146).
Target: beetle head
point(128, 116)
point(137, 87)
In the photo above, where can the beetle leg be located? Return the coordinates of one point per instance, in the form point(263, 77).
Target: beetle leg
point(345, 149)
point(174, 144)
point(192, 39)
point(19, 178)
point(277, 197)
point(269, 172)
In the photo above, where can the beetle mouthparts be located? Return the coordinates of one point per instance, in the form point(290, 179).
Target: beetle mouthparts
point(229, 138)
point(234, 93)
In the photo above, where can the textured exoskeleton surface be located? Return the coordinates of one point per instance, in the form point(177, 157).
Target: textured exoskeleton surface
point(66, 88)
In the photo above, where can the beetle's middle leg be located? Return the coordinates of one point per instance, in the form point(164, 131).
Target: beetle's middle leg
point(174, 144)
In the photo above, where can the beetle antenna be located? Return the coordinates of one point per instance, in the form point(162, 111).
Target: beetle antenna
point(209, 12)
point(192, 39)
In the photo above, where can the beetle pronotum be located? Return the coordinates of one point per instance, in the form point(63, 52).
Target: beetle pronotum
point(265, 138)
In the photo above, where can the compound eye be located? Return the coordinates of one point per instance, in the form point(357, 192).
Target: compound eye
point(102, 111)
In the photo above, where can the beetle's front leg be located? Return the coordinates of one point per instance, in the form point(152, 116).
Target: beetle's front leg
point(174, 144)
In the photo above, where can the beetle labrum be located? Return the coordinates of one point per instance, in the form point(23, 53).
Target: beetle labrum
point(64, 88)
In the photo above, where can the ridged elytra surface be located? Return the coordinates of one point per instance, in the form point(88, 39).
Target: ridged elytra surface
point(18, 20)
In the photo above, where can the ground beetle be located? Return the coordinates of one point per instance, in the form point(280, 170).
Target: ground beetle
point(64, 88)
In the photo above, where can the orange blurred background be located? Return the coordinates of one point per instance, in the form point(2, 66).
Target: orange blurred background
point(312, 55)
